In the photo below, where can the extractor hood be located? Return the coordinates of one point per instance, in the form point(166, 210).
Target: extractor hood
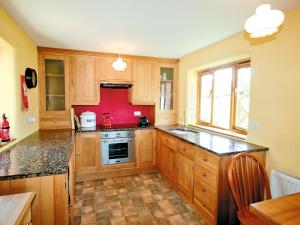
point(116, 86)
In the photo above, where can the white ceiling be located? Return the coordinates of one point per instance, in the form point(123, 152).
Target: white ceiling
point(162, 28)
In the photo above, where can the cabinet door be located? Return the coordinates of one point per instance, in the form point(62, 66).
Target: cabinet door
point(87, 152)
point(144, 148)
point(54, 85)
point(105, 71)
point(85, 88)
point(126, 75)
point(168, 162)
point(166, 112)
point(185, 174)
point(143, 89)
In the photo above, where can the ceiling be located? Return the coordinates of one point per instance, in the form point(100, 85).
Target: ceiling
point(160, 28)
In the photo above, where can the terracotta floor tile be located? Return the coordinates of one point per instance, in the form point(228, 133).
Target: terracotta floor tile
point(88, 218)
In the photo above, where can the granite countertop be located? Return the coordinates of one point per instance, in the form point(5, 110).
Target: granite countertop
point(212, 142)
point(119, 127)
point(45, 152)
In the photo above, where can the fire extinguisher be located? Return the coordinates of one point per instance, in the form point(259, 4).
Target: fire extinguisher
point(5, 129)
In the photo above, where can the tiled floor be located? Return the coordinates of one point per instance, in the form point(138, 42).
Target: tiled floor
point(145, 199)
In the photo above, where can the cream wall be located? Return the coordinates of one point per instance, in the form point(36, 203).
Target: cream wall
point(17, 51)
point(275, 88)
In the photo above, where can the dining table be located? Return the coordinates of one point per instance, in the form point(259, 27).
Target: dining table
point(278, 211)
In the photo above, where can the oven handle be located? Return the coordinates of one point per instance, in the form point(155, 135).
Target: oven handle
point(118, 140)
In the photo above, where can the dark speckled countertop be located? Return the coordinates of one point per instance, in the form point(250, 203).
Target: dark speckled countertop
point(212, 142)
point(45, 152)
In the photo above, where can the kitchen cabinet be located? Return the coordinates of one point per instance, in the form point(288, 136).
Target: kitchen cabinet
point(85, 90)
point(143, 89)
point(87, 156)
point(107, 74)
point(200, 176)
point(185, 168)
point(144, 147)
point(50, 205)
point(167, 89)
point(54, 85)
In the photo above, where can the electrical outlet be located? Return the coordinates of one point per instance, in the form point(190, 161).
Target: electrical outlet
point(30, 119)
point(255, 125)
point(137, 113)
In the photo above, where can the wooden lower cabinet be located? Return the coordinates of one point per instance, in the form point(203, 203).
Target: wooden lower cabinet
point(87, 156)
point(50, 206)
point(144, 147)
point(185, 177)
point(200, 176)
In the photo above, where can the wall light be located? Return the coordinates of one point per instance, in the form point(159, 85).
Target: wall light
point(119, 64)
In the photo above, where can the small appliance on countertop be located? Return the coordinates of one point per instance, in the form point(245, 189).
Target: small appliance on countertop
point(144, 122)
point(88, 121)
point(107, 118)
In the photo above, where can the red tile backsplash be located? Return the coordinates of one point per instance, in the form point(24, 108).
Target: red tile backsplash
point(115, 102)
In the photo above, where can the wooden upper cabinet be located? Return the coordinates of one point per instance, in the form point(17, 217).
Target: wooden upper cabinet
point(167, 89)
point(87, 152)
point(143, 89)
point(85, 88)
point(144, 147)
point(107, 74)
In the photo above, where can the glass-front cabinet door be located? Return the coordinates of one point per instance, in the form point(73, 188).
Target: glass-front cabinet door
point(54, 84)
point(166, 112)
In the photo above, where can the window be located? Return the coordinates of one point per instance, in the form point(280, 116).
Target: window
point(224, 97)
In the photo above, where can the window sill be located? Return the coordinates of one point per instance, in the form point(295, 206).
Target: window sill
point(222, 132)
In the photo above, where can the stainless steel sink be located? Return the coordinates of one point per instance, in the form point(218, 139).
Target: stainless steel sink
point(183, 131)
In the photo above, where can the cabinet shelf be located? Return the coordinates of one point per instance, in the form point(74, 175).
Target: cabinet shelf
point(55, 75)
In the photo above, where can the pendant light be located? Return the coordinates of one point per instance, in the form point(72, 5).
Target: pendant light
point(119, 64)
point(264, 22)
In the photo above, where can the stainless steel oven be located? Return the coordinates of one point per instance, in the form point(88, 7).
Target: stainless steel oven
point(117, 147)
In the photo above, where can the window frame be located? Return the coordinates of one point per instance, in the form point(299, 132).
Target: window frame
point(233, 101)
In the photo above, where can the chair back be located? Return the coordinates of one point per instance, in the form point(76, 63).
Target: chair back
point(248, 181)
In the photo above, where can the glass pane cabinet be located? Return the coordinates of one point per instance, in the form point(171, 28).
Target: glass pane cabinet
point(166, 98)
point(55, 85)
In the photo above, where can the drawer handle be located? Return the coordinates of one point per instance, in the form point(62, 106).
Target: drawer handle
point(203, 189)
point(202, 204)
point(204, 159)
point(203, 174)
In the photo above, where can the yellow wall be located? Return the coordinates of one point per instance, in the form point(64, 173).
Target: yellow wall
point(17, 51)
point(275, 88)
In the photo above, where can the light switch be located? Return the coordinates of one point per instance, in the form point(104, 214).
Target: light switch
point(30, 119)
point(255, 125)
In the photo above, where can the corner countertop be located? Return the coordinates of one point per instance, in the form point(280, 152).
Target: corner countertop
point(45, 152)
point(212, 142)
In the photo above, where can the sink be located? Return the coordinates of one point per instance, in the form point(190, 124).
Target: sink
point(183, 132)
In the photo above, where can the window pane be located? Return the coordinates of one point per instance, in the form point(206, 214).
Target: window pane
point(205, 100)
point(222, 97)
point(166, 88)
point(243, 97)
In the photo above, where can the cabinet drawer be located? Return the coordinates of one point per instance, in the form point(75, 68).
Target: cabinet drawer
point(206, 194)
point(205, 175)
point(169, 141)
point(55, 122)
point(186, 149)
point(206, 159)
point(208, 218)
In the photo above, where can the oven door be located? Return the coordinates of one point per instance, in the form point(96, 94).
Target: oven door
point(119, 150)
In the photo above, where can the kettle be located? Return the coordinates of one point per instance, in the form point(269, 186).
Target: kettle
point(143, 121)
point(106, 120)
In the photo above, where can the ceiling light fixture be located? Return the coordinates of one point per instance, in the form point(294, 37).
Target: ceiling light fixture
point(119, 64)
point(264, 22)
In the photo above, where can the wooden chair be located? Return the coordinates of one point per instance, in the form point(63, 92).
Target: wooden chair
point(249, 183)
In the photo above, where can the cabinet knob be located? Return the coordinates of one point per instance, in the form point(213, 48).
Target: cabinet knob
point(203, 189)
point(204, 159)
point(203, 174)
point(78, 153)
point(202, 204)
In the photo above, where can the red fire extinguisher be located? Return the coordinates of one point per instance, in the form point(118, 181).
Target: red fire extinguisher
point(5, 129)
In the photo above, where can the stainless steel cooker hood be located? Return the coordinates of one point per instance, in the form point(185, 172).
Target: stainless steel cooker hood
point(116, 86)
